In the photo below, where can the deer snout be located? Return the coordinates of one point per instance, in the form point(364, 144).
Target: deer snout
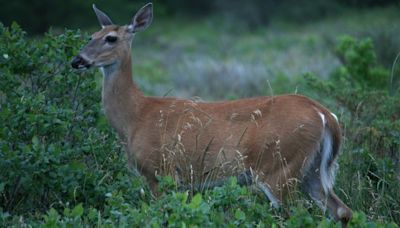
point(80, 62)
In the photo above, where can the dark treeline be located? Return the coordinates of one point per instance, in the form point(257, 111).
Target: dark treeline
point(37, 16)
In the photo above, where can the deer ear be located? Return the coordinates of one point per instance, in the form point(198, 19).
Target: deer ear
point(142, 18)
point(104, 20)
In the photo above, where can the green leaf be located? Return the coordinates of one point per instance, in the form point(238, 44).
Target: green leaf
point(77, 211)
point(239, 215)
point(92, 214)
point(196, 201)
point(35, 142)
point(184, 197)
point(77, 165)
point(67, 212)
point(51, 218)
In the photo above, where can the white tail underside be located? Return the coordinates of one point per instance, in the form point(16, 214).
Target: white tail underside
point(327, 168)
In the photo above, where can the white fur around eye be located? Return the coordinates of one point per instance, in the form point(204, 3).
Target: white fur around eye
point(112, 33)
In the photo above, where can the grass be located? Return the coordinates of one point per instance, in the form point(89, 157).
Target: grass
point(214, 61)
point(82, 180)
point(211, 59)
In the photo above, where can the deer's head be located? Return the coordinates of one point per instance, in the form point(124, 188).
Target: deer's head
point(112, 43)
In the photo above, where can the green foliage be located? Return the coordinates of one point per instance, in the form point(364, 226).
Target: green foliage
point(61, 166)
point(370, 119)
point(38, 16)
point(55, 150)
point(360, 65)
point(178, 209)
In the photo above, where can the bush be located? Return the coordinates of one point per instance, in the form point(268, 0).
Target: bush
point(61, 165)
point(369, 117)
point(56, 149)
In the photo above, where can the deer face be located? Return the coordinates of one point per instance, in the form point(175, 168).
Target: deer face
point(112, 43)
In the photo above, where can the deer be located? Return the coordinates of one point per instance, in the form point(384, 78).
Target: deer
point(280, 139)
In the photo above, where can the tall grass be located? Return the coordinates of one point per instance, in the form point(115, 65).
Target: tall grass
point(61, 165)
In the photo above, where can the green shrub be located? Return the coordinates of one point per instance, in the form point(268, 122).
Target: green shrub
point(370, 168)
point(360, 64)
point(55, 148)
point(62, 166)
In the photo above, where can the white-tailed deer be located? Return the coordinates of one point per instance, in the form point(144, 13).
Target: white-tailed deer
point(278, 139)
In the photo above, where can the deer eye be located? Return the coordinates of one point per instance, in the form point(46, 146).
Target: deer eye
point(111, 39)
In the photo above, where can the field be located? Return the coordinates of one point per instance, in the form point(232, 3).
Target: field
point(228, 61)
point(61, 164)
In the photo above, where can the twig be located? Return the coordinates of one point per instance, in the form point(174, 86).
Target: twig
point(75, 109)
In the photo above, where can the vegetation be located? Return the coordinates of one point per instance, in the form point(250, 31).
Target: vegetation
point(37, 16)
point(62, 165)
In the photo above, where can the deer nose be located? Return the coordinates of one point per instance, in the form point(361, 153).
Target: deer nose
point(79, 62)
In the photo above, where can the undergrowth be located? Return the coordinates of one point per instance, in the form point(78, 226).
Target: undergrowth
point(61, 165)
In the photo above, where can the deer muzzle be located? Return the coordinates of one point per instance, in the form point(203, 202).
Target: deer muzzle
point(80, 62)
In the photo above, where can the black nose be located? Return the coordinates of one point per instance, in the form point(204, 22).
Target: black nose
point(79, 62)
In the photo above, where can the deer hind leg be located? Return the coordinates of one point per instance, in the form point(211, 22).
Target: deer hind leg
point(326, 200)
point(318, 182)
point(266, 190)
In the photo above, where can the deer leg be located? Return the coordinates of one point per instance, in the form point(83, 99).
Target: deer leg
point(243, 179)
point(275, 202)
point(336, 208)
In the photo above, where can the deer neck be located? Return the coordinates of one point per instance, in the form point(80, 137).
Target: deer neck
point(121, 98)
